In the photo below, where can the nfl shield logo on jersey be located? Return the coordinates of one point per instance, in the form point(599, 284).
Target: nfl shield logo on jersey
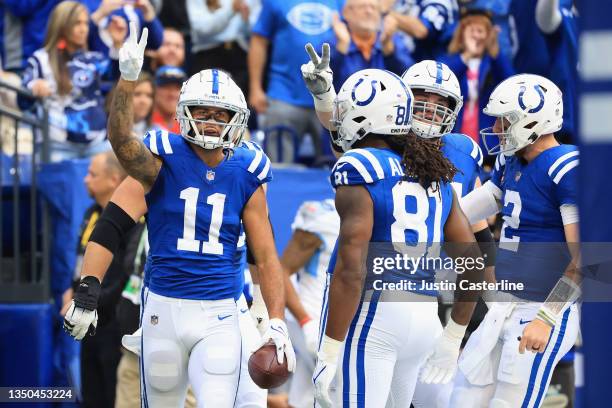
point(154, 320)
point(517, 176)
point(210, 176)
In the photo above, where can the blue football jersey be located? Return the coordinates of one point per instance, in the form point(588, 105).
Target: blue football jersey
point(532, 247)
point(466, 156)
point(196, 236)
point(404, 212)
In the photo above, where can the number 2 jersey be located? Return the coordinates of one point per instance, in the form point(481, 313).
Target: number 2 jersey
point(532, 248)
point(404, 213)
point(194, 218)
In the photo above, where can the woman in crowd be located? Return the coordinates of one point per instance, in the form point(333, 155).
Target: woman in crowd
point(67, 77)
point(475, 58)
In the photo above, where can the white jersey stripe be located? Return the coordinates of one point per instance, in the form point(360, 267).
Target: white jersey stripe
point(560, 160)
point(373, 161)
point(166, 142)
point(358, 166)
point(153, 144)
point(564, 170)
point(256, 161)
point(265, 171)
point(476, 152)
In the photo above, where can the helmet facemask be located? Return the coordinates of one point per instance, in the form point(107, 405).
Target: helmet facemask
point(231, 133)
point(505, 141)
point(432, 128)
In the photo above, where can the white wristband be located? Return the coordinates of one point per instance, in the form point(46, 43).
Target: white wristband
point(330, 348)
point(325, 102)
point(257, 296)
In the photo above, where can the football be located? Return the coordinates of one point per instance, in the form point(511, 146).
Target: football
point(265, 370)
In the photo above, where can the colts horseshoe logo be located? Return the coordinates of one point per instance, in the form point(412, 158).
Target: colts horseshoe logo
point(538, 89)
point(370, 98)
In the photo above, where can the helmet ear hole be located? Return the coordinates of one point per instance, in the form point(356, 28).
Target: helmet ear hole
point(359, 119)
point(530, 125)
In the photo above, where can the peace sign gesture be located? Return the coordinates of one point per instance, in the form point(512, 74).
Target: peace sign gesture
point(316, 73)
point(131, 55)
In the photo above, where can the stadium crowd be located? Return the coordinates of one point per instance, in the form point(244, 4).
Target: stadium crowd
point(66, 54)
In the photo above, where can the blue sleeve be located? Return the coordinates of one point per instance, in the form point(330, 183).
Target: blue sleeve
point(400, 60)
point(501, 67)
point(435, 17)
point(565, 181)
point(353, 169)
point(498, 170)
point(24, 8)
point(266, 23)
point(160, 142)
point(156, 33)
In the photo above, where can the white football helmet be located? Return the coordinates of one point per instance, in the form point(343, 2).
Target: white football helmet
point(434, 77)
point(371, 101)
point(213, 88)
point(532, 104)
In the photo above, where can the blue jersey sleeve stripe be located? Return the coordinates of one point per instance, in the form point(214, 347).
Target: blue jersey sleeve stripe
point(266, 170)
point(153, 144)
point(373, 162)
point(256, 161)
point(560, 160)
point(567, 167)
point(166, 142)
point(361, 169)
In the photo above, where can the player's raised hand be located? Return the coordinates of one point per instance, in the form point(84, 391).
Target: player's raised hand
point(441, 365)
point(131, 55)
point(278, 333)
point(316, 73)
point(82, 316)
point(325, 371)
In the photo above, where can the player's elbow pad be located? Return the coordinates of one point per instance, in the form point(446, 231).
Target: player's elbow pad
point(111, 228)
point(481, 203)
point(486, 243)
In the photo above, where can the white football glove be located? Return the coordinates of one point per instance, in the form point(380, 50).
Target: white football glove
point(131, 54)
point(319, 78)
point(325, 371)
point(82, 316)
point(132, 341)
point(278, 333)
point(311, 335)
point(441, 365)
point(78, 321)
point(259, 311)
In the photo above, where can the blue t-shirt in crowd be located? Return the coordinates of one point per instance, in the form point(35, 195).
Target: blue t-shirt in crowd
point(288, 26)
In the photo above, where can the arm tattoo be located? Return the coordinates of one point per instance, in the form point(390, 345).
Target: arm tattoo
point(132, 153)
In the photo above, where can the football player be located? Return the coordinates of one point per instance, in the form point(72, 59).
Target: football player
point(534, 186)
point(391, 188)
point(199, 194)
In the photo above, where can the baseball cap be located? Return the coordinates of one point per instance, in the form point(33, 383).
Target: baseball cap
point(169, 75)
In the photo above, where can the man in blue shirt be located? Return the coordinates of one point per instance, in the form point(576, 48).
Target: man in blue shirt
point(285, 27)
point(360, 44)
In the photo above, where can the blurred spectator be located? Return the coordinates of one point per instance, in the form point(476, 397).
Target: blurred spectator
point(100, 354)
point(219, 32)
point(68, 77)
point(428, 24)
point(171, 52)
point(168, 83)
point(557, 20)
point(284, 28)
point(361, 44)
point(104, 12)
point(144, 96)
point(475, 58)
point(531, 51)
point(500, 14)
point(21, 30)
point(8, 100)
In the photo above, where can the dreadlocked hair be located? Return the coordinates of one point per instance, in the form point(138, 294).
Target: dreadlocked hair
point(422, 159)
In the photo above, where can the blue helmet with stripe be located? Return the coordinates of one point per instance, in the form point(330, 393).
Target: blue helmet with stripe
point(433, 119)
point(212, 88)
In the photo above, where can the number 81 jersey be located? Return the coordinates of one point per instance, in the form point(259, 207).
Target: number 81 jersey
point(404, 213)
point(194, 218)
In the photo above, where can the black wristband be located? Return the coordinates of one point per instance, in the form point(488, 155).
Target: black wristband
point(88, 292)
point(112, 226)
point(487, 246)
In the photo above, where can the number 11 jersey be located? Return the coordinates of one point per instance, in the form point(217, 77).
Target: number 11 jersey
point(195, 218)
